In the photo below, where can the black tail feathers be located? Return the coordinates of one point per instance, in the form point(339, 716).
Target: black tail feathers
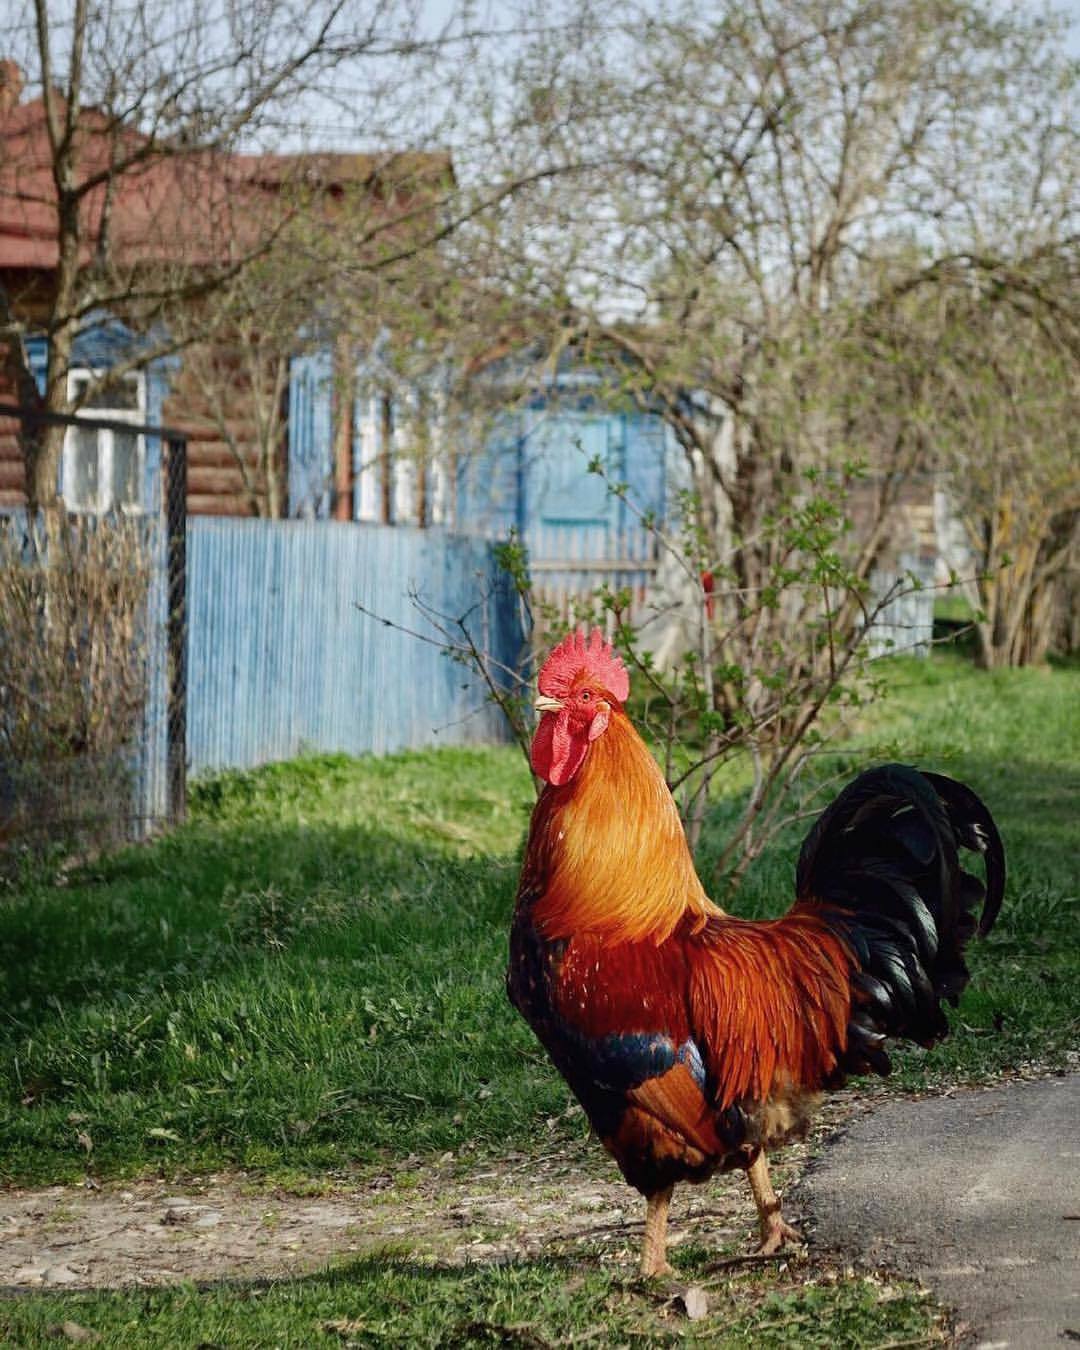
point(883, 860)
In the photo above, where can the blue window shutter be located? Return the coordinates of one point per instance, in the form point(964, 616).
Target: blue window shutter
point(311, 456)
point(157, 389)
point(37, 351)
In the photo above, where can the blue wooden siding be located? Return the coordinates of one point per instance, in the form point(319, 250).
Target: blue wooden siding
point(651, 462)
point(281, 661)
point(491, 490)
point(311, 461)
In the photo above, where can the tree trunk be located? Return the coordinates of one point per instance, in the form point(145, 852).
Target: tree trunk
point(45, 448)
point(1021, 601)
point(43, 464)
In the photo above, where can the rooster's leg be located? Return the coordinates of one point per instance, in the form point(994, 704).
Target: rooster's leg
point(774, 1231)
point(653, 1258)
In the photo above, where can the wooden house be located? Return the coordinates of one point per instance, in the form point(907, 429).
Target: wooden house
point(186, 211)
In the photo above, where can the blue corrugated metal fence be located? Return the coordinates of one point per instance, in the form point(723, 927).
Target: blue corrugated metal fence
point(280, 660)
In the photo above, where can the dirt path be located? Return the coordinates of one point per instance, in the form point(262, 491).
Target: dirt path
point(977, 1194)
point(150, 1232)
point(970, 1192)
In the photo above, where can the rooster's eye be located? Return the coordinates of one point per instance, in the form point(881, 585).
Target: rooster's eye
point(585, 696)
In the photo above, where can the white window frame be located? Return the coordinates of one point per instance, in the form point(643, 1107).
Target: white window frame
point(366, 461)
point(137, 415)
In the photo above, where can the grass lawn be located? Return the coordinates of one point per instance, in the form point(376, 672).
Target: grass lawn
point(308, 977)
point(392, 1303)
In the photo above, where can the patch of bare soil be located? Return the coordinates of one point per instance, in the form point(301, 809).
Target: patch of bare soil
point(228, 1226)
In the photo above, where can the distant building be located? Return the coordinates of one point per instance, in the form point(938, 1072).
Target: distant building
point(192, 209)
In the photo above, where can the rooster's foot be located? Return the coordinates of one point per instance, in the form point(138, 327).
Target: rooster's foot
point(654, 1250)
point(775, 1233)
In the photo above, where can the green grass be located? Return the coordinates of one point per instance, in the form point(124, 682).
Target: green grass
point(378, 1302)
point(310, 973)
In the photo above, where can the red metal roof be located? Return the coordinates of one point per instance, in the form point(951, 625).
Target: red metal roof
point(187, 206)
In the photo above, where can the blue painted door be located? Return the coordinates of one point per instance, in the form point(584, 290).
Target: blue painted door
point(559, 488)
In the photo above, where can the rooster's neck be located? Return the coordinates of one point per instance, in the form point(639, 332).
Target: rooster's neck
point(607, 853)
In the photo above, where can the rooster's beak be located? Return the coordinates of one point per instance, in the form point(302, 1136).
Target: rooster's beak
point(544, 704)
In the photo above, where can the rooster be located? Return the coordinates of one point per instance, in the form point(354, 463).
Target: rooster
point(697, 1041)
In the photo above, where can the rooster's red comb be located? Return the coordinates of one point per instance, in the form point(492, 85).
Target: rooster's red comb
point(578, 653)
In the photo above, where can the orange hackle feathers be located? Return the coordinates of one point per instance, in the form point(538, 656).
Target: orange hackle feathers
point(591, 658)
point(611, 848)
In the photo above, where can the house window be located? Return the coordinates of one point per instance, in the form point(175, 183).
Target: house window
point(103, 470)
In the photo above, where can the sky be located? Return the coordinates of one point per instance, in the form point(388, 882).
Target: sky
point(335, 121)
point(1072, 8)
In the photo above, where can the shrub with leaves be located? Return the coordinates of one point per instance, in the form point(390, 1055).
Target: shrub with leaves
point(762, 678)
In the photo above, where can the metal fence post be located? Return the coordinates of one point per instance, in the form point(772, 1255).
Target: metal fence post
point(175, 501)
